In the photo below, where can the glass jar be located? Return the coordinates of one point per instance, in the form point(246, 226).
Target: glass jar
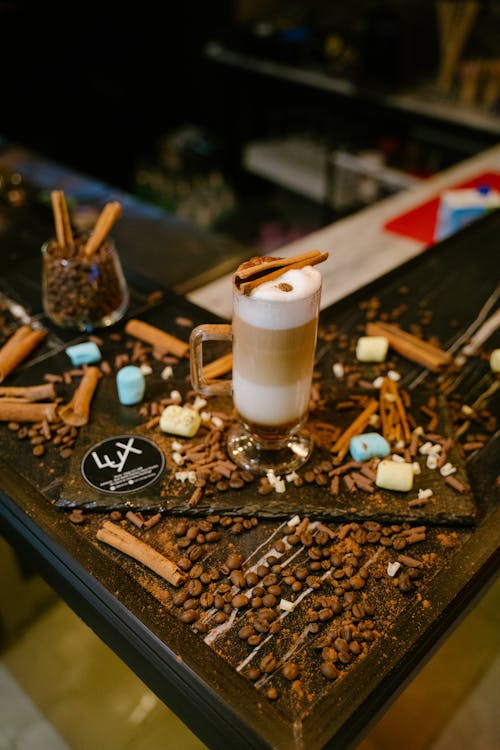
point(83, 292)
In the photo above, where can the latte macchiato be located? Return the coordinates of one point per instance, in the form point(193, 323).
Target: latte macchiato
point(274, 340)
point(276, 306)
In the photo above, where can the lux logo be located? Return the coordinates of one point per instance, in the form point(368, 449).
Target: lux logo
point(123, 454)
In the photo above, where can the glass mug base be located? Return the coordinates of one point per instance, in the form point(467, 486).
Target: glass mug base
point(281, 458)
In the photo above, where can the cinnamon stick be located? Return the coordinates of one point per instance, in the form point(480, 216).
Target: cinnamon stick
point(257, 266)
point(27, 393)
point(247, 279)
point(58, 217)
point(218, 367)
point(410, 346)
point(114, 535)
point(109, 214)
point(341, 446)
point(77, 411)
point(393, 417)
point(24, 411)
point(156, 337)
point(64, 235)
point(18, 346)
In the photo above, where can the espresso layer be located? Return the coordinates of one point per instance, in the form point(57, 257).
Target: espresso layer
point(273, 357)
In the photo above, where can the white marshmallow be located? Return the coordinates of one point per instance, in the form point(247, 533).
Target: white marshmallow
point(495, 360)
point(372, 348)
point(392, 475)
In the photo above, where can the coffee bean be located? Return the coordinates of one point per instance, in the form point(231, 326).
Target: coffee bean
point(301, 573)
point(268, 663)
point(261, 626)
point(270, 579)
point(237, 578)
point(329, 670)
point(290, 671)
point(357, 582)
point(251, 578)
point(194, 587)
point(274, 590)
point(245, 632)
point(328, 653)
point(325, 615)
point(240, 600)
point(188, 616)
point(206, 599)
point(234, 560)
point(213, 536)
point(184, 563)
point(195, 553)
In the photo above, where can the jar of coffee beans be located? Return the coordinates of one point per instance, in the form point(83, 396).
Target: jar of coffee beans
point(81, 290)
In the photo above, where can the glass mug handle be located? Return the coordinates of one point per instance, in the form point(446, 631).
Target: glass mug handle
point(207, 332)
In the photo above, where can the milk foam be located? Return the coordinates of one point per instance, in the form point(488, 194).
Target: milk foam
point(271, 405)
point(269, 306)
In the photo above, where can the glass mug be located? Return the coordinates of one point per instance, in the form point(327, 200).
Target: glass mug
point(83, 292)
point(273, 333)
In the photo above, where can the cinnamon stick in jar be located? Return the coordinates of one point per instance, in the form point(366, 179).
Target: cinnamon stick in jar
point(18, 346)
point(109, 214)
point(62, 221)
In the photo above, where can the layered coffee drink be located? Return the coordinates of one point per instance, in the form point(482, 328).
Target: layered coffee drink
point(274, 341)
point(276, 303)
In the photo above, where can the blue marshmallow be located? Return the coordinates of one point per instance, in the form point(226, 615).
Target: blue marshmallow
point(83, 354)
point(131, 385)
point(368, 445)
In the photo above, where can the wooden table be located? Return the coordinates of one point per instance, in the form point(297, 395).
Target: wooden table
point(133, 610)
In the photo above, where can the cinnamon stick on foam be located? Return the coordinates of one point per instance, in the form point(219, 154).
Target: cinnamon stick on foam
point(259, 270)
point(117, 537)
point(77, 411)
point(18, 346)
point(156, 337)
point(109, 214)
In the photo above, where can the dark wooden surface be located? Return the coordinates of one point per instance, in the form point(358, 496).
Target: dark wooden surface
point(134, 612)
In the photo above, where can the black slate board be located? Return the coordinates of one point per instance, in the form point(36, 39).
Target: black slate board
point(110, 418)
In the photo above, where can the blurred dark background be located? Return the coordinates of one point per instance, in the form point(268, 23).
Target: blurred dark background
point(94, 84)
point(166, 99)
